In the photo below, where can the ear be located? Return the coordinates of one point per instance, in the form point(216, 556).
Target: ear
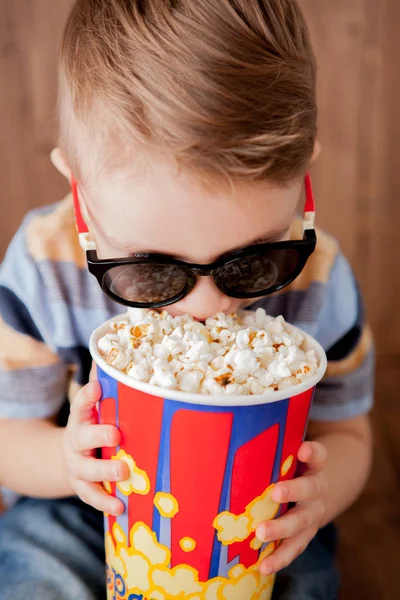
point(316, 153)
point(60, 163)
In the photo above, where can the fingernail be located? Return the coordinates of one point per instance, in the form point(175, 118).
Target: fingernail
point(114, 509)
point(117, 472)
point(262, 533)
point(266, 570)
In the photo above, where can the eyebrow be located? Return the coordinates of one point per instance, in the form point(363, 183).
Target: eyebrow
point(268, 238)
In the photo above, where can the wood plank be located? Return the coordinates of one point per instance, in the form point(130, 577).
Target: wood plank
point(356, 179)
point(338, 31)
point(383, 268)
point(13, 129)
point(29, 33)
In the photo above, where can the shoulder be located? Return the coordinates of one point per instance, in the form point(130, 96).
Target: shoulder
point(50, 234)
point(320, 264)
point(329, 285)
point(44, 283)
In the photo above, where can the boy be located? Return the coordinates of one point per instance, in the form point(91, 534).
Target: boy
point(189, 127)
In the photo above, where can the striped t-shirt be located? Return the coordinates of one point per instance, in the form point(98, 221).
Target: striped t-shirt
point(50, 304)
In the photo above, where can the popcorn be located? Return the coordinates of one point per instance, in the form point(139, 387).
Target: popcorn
point(256, 544)
point(262, 508)
point(108, 342)
point(212, 590)
point(140, 372)
point(244, 588)
point(245, 361)
point(156, 595)
point(246, 354)
point(232, 528)
point(189, 381)
point(287, 465)
point(163, 375)
point(107, 487)
point(179, 580)
point(138, 481)
point(113, 556)
point(145, 541)
point(270, 549)
point(143, 568)
point(237, 571)
point(237, 528)
point(187, 544)
point(138, 570)
point(279, 368)
point(166, 504)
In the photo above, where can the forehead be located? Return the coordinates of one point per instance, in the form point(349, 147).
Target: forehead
point(161, 210)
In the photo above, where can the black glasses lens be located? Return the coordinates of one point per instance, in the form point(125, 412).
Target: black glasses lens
point(146, 282)
point(258, 273)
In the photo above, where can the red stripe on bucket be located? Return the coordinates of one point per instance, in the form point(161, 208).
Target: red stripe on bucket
point(140, 420)
point(296, 422)
point(199, 452)
point(252, 471)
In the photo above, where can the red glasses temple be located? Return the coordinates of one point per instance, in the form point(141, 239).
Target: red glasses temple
point(80, 223)
point(310, 204)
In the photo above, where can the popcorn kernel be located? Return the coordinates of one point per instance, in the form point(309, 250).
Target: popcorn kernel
point(166, 504)
point(286, 466)
point(138, 481)
point(187, 544)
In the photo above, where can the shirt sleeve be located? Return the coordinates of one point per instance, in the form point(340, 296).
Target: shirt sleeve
point(347, 390)
point(33, 378)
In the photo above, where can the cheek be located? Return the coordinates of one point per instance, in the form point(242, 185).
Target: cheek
point(245, 303)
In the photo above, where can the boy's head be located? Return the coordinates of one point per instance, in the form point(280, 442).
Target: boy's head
point(189, 126)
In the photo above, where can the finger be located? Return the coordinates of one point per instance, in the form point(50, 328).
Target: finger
point(313, 454)
point(93, 372)
point(98, 470)
point(95, 495)
point(302, 489)
point(297, 519)
point(89, 437)
point(84, 403)
point(287, 552)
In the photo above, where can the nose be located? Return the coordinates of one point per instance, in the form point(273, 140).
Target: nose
point(204, 300)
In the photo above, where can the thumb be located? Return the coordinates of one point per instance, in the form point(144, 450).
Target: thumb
point(93, 372)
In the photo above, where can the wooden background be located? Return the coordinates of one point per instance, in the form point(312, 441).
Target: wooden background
point(357, 184)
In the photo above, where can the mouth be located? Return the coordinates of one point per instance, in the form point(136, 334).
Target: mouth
point(203, 321)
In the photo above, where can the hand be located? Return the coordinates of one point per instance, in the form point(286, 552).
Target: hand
point(300, 524)
point(82, 436)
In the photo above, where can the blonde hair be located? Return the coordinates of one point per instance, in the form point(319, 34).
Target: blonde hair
point(222, 86)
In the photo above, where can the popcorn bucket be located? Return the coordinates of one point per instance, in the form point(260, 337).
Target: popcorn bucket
point(202, 469)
